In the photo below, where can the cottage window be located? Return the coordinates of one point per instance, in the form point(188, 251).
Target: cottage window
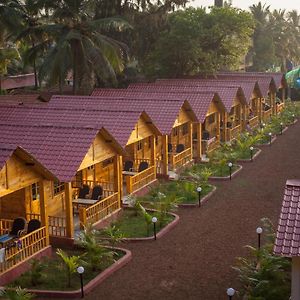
point(211, 119)
point(185, 129)
point(175, 131)
point(35, 191)
point(139, 145)
point(58, 187)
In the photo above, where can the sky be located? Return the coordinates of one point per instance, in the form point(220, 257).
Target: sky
point(244, 4)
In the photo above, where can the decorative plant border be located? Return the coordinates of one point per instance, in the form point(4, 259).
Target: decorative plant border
point(160, 233)
point(268, 144)
point(91, 284)
point(258, 151)
point(203, 200)
point(220, 178)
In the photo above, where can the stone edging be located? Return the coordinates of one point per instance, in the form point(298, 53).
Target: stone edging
point(258, 151)
point(219, 178)
point(91, 284)
point(268, 144)
point(203, 200)
point(159, 234)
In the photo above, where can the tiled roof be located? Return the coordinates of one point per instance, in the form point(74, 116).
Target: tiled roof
point(163, 114)
point(287, 241)
point(199, 101)
point(247, 86)
point(119, 124)
point(227, 94)
point(59, 149)
point(5, 153)
point(264, 81)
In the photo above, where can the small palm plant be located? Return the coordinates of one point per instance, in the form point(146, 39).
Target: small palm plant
point(71, 263)
point(16, 294)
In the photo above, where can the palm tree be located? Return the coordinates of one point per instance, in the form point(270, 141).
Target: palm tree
point(82, 45)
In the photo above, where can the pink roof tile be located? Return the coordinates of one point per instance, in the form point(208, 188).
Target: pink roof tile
point(199, 101)
point(163, 114)
point(227, 94)
point(20, 99)
point(5, 153)
point(248, 86)
point(287, 241)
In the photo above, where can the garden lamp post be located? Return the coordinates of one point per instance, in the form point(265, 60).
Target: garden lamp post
point(199, 190)
point(230, 293)
point(281, 128)
point(154, 220)
point(270, 138)
point(80, 271)
point(259, 231)
point(251, 153)
point(263, 125)
point(293, 115)
point(230, 169)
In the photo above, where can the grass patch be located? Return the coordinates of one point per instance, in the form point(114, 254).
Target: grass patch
point(247, 154)
point(132, 224)
point(52, 275)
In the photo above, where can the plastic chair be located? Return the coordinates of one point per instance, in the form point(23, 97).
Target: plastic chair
point(97, 192)
point(143, 166)
point(83, 191)
point(33, 225)
point(179, 148)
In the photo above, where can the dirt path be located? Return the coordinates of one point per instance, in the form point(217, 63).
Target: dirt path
point(194, 260)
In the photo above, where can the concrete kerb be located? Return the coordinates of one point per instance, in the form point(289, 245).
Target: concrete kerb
point(258, 151)
point(234, 174)
point(203, 200)
point(91, 284)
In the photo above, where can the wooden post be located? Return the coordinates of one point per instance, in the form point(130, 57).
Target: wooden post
point(44, 192)
point(69, 210)
point(128, 184)
point(190, 128)
point(199, 140)
point(295, 278)
point(82, 217)
point(218, 126)
point(121, 176)
point(153, 152)
point(225, 126)
point(165, 160)
point(117, 182)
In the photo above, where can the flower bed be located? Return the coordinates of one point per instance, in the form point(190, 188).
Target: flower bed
point(247, 156)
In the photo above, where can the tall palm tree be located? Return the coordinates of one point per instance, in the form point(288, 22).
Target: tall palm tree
point(82, 44)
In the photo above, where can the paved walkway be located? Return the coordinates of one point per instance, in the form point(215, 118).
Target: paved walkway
point(194, 260)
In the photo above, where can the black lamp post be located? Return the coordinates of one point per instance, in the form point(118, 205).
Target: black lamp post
point(80, 271)
point(230, 293)
point(270, 138)
point(259, 232)
point(251, 153)
point(154, 220)
point(293, 115)
point(281, 128)
point(199, 190)
point(230, 169)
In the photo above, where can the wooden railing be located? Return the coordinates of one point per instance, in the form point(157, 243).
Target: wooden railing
point(254, 122)
point(180, 159)
point(141, 179)
point(108, 187)
point(57, 225)
point(5, 226)
point(99, 210)
point(279, 107)
point(267, 114)
point(232, 133)
point(24, 247)
point(210, 145)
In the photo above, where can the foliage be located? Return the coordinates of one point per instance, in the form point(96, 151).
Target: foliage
point(36, 271)
point(200, 42)
point(16, 294)
point(95, 253)
point(113, 234)
point(263, 275)
point(71, 264)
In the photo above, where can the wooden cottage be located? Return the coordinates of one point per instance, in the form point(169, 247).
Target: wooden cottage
point(19, 173)
point(249, 86)
point(206, 106)
point(134, 130)
point(173, 145)
point(233, 98)
point(79, 155)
